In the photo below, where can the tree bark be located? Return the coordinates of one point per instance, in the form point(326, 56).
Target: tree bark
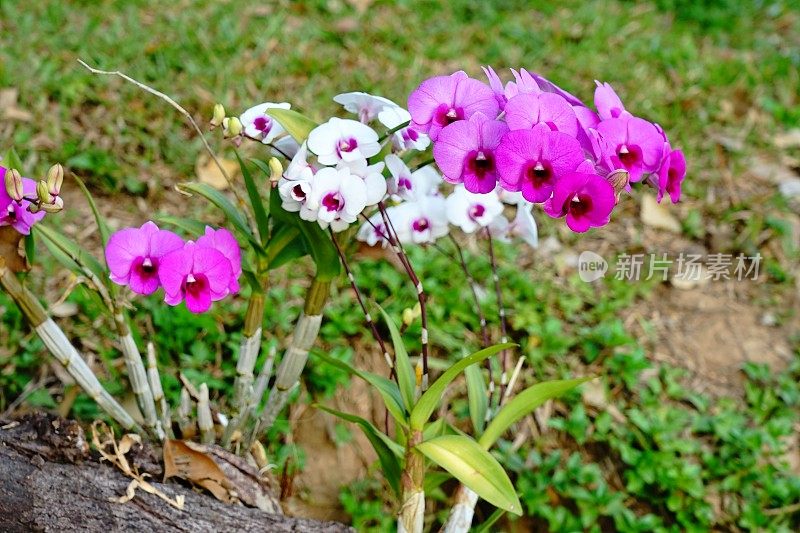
point(49, 482)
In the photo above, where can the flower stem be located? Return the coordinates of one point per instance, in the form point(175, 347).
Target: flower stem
point(397, 247)
point(501, 311)
point(360, 299)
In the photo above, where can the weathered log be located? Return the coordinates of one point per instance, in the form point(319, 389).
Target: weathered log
point(50, 482)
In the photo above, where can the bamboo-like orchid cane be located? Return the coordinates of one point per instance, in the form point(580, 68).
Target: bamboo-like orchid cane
point(411, 518)
point(204, 421)
point(294, 359)
point(158, 391)
point(184, 415)
point(248, 353)
point(58, 345)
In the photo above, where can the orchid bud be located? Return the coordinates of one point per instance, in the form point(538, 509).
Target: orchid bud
point(55, 178)
point(276, 171)
point(232, 127)
point(618, 180)
point(13, 183)
point(219, 115)
point(43, 193)
point(54, 207)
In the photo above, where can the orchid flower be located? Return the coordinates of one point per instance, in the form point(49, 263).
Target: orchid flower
point(443, 100)
point(471, 211)
point(197, 274)
point(343, 140)
point(585, 199)
point(465, 152)
point(260, 126)
point(134, 256)
point(408, 185)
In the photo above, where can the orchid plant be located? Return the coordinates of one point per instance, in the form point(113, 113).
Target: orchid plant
point(449, 167)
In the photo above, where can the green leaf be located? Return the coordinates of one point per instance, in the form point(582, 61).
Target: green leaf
point(474, 467)
point(524, 403)
point(232, 213)
point(431, 398)
point(486, 526)
point(12, 160)
point(285, 245)
point(434, 429)
point(297, 125)
point(262, 220)
point(405, 372)
point(98, 217)
point(477, 396)
point(77, 255)
point(322, 250)
point(386, 388)
point(30, 248)
point(389, 452)
point(190, 226)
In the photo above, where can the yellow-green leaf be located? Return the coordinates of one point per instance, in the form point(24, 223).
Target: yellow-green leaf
point(474, 467)
point(296, 124)
point(523, 403)
point(428, 401)
point(406, 377)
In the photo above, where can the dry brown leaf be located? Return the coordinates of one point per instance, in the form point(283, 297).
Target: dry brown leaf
point(658, 216)
point(183, 461)
point(208, 172)
point(12, 250)
point(227, 476)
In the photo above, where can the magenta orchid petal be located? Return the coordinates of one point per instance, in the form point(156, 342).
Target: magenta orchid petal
point(671, 176)
point(465, 152)
point(634, 144)
point(525, 111)
point(134, 256)
point(172, 273)
point(607, 102)
point(585, 199)
point(224, 242)
point(216, 268)
point(550, 87)
point(443, 100)
point(532, 161)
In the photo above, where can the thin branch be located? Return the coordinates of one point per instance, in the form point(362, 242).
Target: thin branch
point(361, 303)
point(397, 246)
point(188, 116)
point(501, 311)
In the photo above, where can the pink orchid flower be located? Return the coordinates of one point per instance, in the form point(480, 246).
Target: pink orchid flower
point(197, 274)
point(443, 100)
point(465, 152)
point(532, 161)
point(585, 199)
point(134, 256)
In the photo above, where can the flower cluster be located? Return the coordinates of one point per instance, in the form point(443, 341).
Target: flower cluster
point(339, 183)
point(24, 202)
point(199, 273)
point(529, 136)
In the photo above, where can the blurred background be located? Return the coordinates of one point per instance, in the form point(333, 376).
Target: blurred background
point(695, 423)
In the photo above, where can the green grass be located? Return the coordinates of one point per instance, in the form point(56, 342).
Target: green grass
point(680, 461)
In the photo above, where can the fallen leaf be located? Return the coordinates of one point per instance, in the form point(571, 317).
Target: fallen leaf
point(208, 172)
point(658, 216)
point(227, 476)
point(183, 461)
point(64, 309)
point(789, 139)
